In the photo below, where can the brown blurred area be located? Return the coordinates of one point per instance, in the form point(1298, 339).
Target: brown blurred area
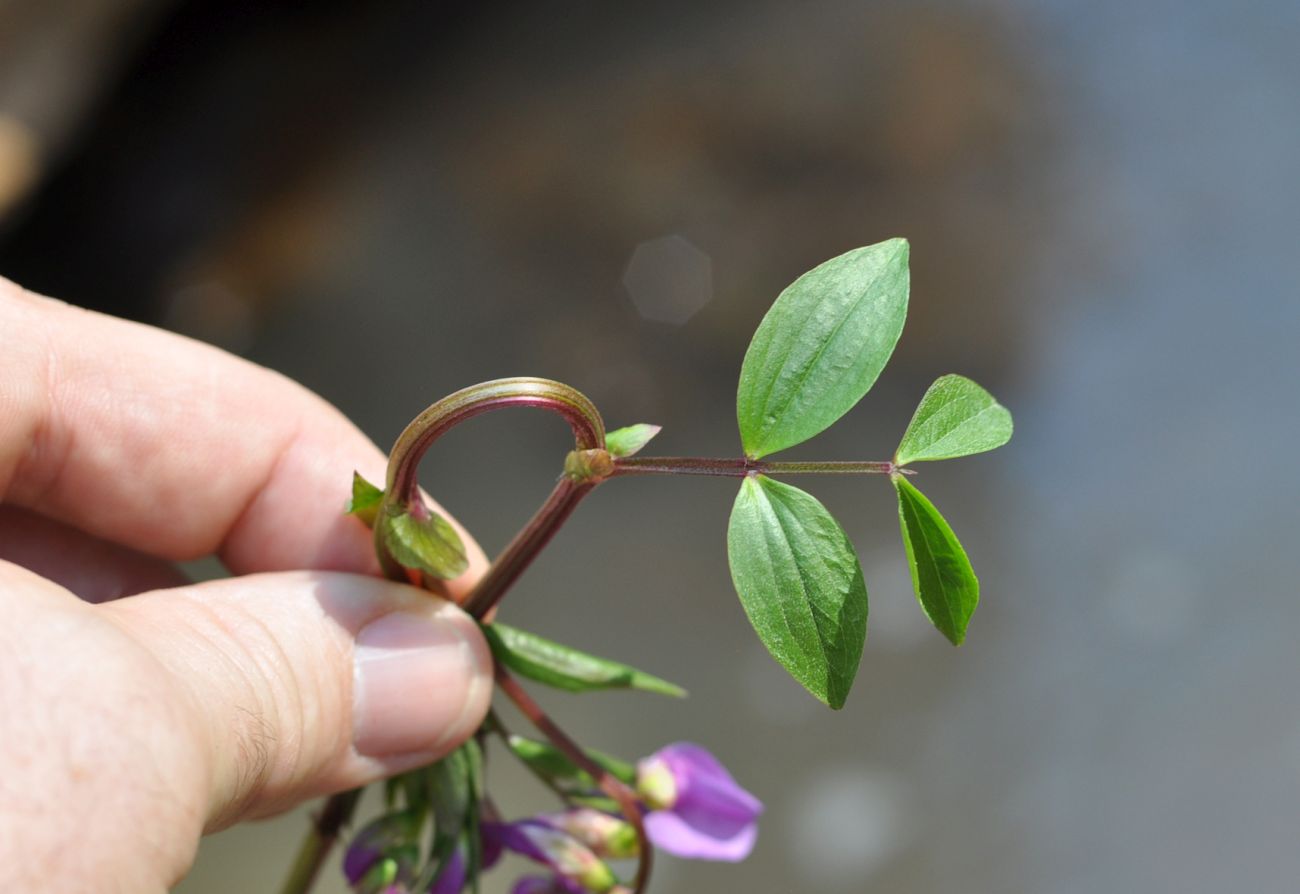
point(147, 146)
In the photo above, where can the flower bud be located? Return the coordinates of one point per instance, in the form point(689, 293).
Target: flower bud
point(608, 836)
point(393, 835)
point(568, 857)
point(656, 784)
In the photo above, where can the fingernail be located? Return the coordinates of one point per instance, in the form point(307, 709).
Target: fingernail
point(417, 682)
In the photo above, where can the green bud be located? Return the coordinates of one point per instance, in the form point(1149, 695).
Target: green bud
point(655, 784)
point(588, 465)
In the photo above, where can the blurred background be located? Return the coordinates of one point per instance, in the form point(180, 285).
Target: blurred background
point(391, 200)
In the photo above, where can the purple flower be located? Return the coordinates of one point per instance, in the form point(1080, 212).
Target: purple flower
point(387, 839)
point(579, 869)
point(697, 810)
point(453, 876)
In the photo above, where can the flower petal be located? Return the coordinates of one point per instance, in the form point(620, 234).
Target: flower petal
point(452, 878)
point(681, 837)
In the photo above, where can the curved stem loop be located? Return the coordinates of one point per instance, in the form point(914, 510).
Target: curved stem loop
point(520, 391)
point(403, 485)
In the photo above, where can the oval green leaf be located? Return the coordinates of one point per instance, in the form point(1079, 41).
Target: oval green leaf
point(430, 545)
point(821, 347)
point(800, 583)
point(955, 418)
point(945, 583)
point(545, 661)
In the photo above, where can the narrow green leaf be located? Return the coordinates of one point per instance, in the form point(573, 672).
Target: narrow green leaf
point(430, 545)
point(800, 584)
point(453, 786)
point(627, 441)
point(945, 583)
point(550, 763)
point(365, 500)
point(821, 346)
point(559, 666)
point(955, 418)
point(456, 784)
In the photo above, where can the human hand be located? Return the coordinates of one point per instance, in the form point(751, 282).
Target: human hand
point(129, 727)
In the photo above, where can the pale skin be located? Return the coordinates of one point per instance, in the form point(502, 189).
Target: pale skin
point(131, 726)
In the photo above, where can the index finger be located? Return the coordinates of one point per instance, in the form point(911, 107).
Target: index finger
point(172, 447)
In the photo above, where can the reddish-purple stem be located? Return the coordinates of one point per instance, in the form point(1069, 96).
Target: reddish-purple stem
point(739, 468)
point(609, 784)
point(525, 546)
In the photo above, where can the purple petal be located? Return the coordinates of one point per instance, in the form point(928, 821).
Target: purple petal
point(545, 884)
point(703, 783)
point(712, 818)
point(512, 837)
point(452, 878)
point(680, 837)
point(358, 860)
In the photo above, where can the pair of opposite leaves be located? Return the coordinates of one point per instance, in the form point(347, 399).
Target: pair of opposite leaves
point(816, 353)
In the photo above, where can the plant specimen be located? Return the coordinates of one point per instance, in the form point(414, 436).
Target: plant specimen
point(815, 354)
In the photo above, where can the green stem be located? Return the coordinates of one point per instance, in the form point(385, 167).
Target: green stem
point(319, 840)
point(739, 468)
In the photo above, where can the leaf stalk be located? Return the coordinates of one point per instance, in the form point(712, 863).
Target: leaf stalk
point(739, 468)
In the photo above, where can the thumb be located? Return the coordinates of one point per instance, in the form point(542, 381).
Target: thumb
point(304, 683)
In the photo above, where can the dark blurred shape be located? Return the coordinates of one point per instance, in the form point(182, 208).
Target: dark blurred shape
point(56, 56)
point(205, 162)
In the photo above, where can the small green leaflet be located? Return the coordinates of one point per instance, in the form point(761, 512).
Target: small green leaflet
point(821, 347)
point(430, 545)
point(945, 583)
point(799, 581)
point(955, 418)
point(365, 500)
point(551, 764)
point(545, 661)
point(627, 441)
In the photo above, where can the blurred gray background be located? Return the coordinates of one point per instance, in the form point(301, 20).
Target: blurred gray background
point(389, 201)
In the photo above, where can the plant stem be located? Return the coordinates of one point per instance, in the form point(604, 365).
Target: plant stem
point(525, 546)
point(495, 724)
point(318, 842)
point(609, 784)
point(739, 468)
point(403, 485)
point(521, 391)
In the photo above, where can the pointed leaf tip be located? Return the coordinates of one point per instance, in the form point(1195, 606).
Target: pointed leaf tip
point(562, 667)
point(800, 584)
point(955, 417)
point(365, 500)
point(821, 346)
point(629, 440)
point(945, 583)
